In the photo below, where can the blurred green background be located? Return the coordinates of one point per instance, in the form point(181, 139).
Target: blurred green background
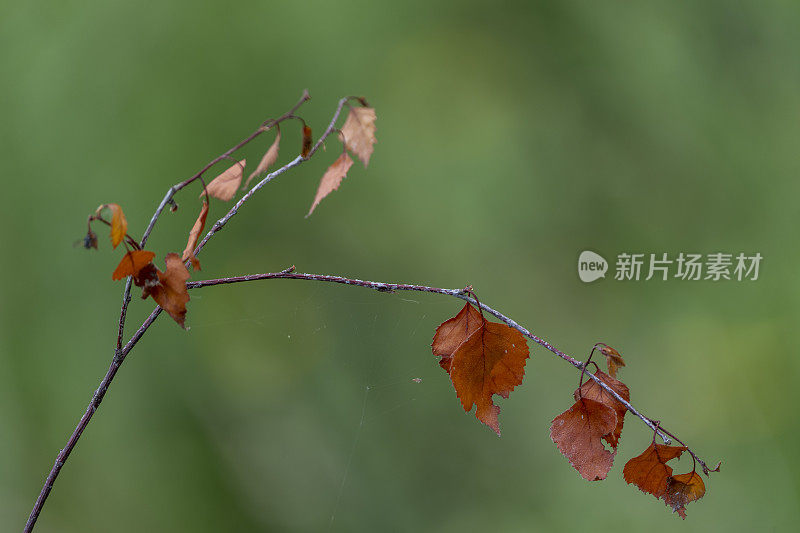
point(511, 137)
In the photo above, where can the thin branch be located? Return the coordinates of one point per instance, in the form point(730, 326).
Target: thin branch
point(458, 293)
point(120, 352)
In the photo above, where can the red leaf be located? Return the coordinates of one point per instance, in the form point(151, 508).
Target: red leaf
point(592, 391)
point(490, 360)
point(650, 471)
point(578, 434)
point(132, 262)
point(306, 142)
point(171, 293)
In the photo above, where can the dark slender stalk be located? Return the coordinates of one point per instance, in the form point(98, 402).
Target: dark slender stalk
point(120, 352)
point(463, 294)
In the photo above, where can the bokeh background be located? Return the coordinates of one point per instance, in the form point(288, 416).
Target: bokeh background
point(511, 137)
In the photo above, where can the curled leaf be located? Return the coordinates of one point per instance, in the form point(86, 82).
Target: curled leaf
point(132, 262)
point(331, 179)
point(578, 434)
point(613, 359)
point(306, 142)
point(268, 160)
point(171, 293)
point(490, 360)
point(359, 132)
point(452, 333)
point(225, 185)
point(650, 471)
point(119, 225)
point(194, 234)
point(683, 489)
point(592, 391)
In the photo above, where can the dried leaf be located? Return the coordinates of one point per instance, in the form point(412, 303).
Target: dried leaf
point(306, 142)
point(132, 262)
point(331, 179)
point(578, 434)
point(194, 234)
point(171, 293)
point(268, 160)
point(592, 391)
point(683, 489)
point(359, 132)
point(451, 333)
point(119, 225)
point(650, 471)
point(613, 359)
point(225, 185)
point(491, 360)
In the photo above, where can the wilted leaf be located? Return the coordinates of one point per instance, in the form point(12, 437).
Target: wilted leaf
point(359, 132)
point(132, 262)
point(491, 360)
point(577, 433)
point(592, 391)
point(613, 359)
point(194, 234)
point(171, 293)
point(451, 333)
point(650, 471)
point(332, 179)
point(119, 225)
point(269, 158)
point(225, 185)
point(306, 142)
point(683, 489)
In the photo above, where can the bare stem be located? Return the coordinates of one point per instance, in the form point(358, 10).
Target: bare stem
point(463, 294)
point(120, 352)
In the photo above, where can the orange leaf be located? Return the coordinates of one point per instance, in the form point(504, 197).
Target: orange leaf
point(225, 185)
point(491, 360)
point(269, 158)
point(650, 471)
point(171, 293)
point(451, 333)
point(306, 142)
point(332, 179)
point(194, 234)
point(683, 489)
point(592, 391)
point(577, 433)
point(132, 262)
point(119, 225)
point(359, 132)
point(613, 359)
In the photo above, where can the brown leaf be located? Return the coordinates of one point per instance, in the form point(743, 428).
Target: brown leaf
point(683, 489)
point(268, 160)
point(331, 179)
point(491, 360)
point(451, 333)
point(132, 262)
point(578, 434)
point(306, 142)
point(194, 234)
point(592, 391)
point(171, 293)
point(650, 471)
point(225, 185)
point(613, 359)
point(359, 132)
